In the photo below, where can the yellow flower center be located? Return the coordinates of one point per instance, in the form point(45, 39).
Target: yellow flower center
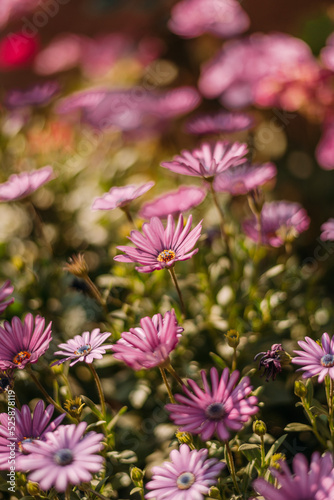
point(166, 256)
point(21, 356)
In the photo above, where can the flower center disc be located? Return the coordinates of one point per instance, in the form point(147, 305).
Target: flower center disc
point(25, 440)
point(21, 356)
point(215, 411)
point(327, 361)
point(185, 480)
point(63, 456)
point(84, 349)
point(166, 256)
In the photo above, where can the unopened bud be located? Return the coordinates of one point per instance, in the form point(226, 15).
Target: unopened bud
point(259, 428)
point(214, 493)
point(137, 475)
point(33, 489)
point(57, 369)
point(232, 337)
point(300, 389)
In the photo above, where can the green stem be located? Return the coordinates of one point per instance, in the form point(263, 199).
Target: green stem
point(313, 423)
point(222, 222)
point(129, 216)
point(95, 493)
point(164, 378)
point(263, 454)
point(232, 468)
point(234, 360)
point(68, 493)
point(43, 391)
point(99, 388)
point(175, 375)
point(17, 402)
point(173, 276)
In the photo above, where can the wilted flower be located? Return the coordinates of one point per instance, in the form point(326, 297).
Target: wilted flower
point(270, 361)
point(327, 230)
point(38, 95)
point(5, 291)
point(312, 483)
point(65, 457)
point(22, 343)
point(74, 407)
point(244, 178)
point(85, 347)
point(188, 476)
point(281, 221)
point(173, 202)
point(151, 344)
point(120, 196)
point(316, 359)
point(221, 122)
point(224, 407)
point(161, 248)
point(233, 338)
point(22, 185)
point(77, 266)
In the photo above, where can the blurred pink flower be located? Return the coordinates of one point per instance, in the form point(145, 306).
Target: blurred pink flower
point(209, 160)
point(236, 71)
point(316, 359)
point(161, 248)
point(5, 291)
point(62, 53)
point(327, 53)
point(327, 230)
point(120, 196)
point(38, 95)
point(223, 18)
point(280, 221)
point(244, 178)
point(325, 150)
point(149, 345)
point(173, 202)
point(221, 122)
point(11, 9)
point(17, 50)
point(22, 185)
point(85, 347)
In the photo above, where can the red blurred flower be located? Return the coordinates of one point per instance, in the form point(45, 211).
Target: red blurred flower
point(17, 50)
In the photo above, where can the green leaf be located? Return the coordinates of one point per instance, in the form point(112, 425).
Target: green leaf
point(218, 360)
point(135, 490)
point(113, 421)
point(274, 447)
point(96, 424)
point(297, 427)
point(92, 406)
point(251, 452)
point(318, 409)
point(309, 387)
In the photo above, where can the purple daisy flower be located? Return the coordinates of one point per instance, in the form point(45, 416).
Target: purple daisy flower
point(150, 345)
point(316, 359)
point(85, 347)
point(23, 342)
point(27, 428)
point(173, 202)
point(223, 408)
point(312, 483)
point(38, 95)
point(120, 196)
point(22, 185)
point(65, 457)
point(270, 361)
point(327, 230)
point(5, 291)
point(160, 247)
point(280, 221)
point(221, 122)
point(244, 178)
point(209, 160)
point(188, 476)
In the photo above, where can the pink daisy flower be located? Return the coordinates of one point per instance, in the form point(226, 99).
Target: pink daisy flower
point(188, 476)
point(120, 196)
point(327, 229)
point(312, 483)
point(85, 347)
point(209, 160)
point(161, 248)
point(65, 457)
point(220, 409)
point(325, 149)
point(150, 345)
point(327, 53)
point(23, 342)
point(221, 122)
point(316, 359)
point(244, 178)
point(223, 18)
point(22, 185)
point(27, 428)
point(173, 202)
point(5, 291)
point(280, 220)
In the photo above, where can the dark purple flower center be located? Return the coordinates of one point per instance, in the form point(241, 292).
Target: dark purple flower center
point(84, 349)
point(185, 480)
point(63, 456)
point(166, 256)
point(21, 356)
point(215, 411)
point(24, 441)
point(327, 360)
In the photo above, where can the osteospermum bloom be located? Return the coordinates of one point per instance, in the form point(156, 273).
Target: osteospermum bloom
point(160, 247)
point(5, 291)
point(244, 178)
point(85, 347)
point(327, 229)
point(65, 457)
point(315, 359)
point(173, 202)
point(281, 221)
point(314, 482)
point(23, 342)
point(22, 185)
point(149, 345)
point(38, 95)
point(120, 196)
point(28, 428)
point(220, 409)
point(209, 160)
point(221, 122)
point(188, 476)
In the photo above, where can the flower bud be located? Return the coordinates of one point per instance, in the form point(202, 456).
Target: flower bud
point(232, 337)
point(137, 475)
point(74, 407)
point(259, 428)
point(214, 493)
point(300, 389)
point(33, 489)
